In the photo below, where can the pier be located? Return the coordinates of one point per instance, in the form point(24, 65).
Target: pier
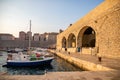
point(89, 62)
point(85, 75)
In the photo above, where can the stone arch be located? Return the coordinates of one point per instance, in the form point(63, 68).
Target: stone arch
point(86, 37)
point(71, 41)
point(64, 41)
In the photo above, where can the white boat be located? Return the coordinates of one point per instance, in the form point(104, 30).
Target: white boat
point(22, 60)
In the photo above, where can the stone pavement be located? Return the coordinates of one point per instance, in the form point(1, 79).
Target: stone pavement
point(107, 62)
point(85, 75)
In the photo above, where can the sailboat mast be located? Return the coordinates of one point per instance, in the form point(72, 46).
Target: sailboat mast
point(30, 35)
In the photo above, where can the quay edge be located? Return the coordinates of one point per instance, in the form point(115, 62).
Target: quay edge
point(85, 65)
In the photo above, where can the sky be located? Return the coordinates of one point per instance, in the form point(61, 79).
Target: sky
point(46, 15)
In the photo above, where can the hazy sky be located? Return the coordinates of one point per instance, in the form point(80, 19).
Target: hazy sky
point(46, 15)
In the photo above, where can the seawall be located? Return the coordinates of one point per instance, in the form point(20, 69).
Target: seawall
point(85, 65)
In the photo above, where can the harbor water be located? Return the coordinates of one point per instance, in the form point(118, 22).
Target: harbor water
point(57, 65)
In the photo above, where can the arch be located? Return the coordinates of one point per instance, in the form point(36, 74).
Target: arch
point(86, 37)
point(64, 42)
point(71, 41)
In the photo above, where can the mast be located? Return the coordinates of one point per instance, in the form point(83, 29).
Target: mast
point(30, 36)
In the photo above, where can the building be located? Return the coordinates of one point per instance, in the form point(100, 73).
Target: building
point(6, 37)
point(7, 41)
point(43, 37)
point(97, 33)
point(29, 34)
point(51, 36)
point(36, 37)
point(22, 35)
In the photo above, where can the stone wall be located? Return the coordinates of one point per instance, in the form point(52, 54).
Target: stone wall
point(4, 44)
point(105, 21)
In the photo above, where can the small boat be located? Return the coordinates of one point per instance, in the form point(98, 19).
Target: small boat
point(11, 51)
point(43, 62)
point(1, 54)
point(42, 51)
point(22, 60)
point(16, 50)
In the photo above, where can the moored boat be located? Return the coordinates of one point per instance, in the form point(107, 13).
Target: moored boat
point(16, 50)
point(35, 63)
point(22, 60)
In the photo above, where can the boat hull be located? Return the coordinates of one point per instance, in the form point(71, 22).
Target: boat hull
point(29, 63)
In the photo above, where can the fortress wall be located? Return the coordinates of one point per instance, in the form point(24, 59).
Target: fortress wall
point(109, 37)
point(105, 20)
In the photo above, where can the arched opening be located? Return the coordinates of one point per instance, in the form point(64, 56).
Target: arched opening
point(88, 38)
point(71, 41)
point(64, 42)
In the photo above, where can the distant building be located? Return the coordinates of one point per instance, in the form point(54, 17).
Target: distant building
point(22, 35)
point(6, 37)
point(50, 39)
point(36, 37)
point(42, 37)
point(29, 34)
point(51, 36)
point(45, 40)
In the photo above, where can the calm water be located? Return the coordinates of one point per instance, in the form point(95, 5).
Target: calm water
point(57, 65)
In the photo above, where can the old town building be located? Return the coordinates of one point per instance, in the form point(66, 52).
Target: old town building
point(22, 35)
point(44, 40)
point(36, 37)
point(6, 37)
